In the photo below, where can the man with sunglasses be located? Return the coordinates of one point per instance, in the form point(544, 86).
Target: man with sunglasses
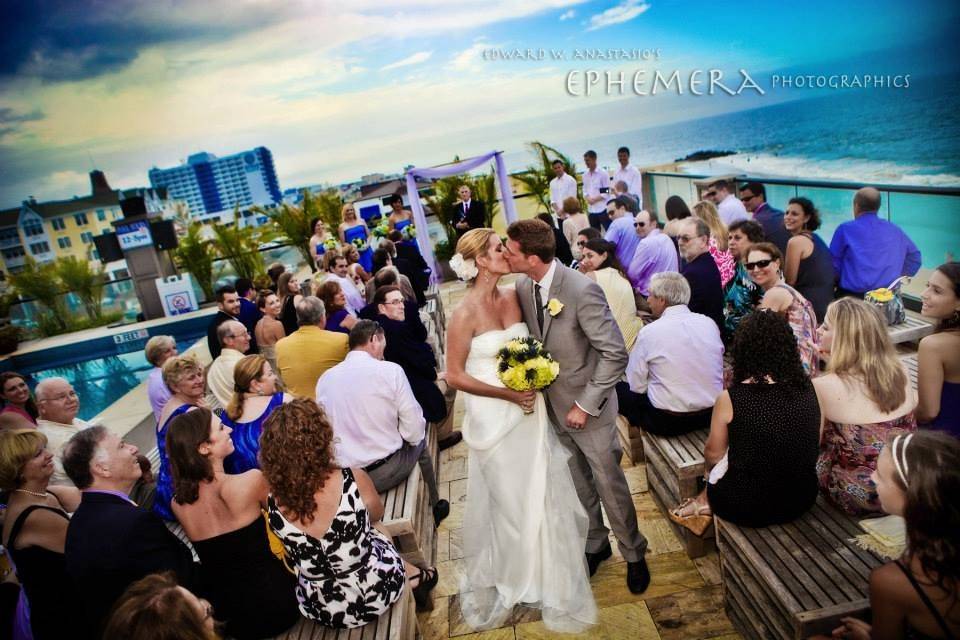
point(753, 195)
point(728, 205)
point(700, 270)
point(620, 232)
point(654, 254)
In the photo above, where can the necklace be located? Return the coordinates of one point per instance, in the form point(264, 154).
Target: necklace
point(39, 494)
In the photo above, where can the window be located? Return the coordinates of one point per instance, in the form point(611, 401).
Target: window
point(101, 215)
point(96, 254)
point(80, 219)
point(58, 224)
point(39, 247)
point(64, 243)
point(32, 228)
point(86, 237)
point(116, 214)
point(15, 252)
point(9, 235)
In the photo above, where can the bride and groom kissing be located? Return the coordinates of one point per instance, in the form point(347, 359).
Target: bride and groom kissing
point(540, 464)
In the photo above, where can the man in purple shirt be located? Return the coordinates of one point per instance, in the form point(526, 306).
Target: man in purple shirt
point(654, 254)
point(868, 252)
point(753, 195)
point(620, 232)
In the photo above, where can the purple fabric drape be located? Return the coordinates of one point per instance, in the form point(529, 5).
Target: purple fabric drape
point(420, 217)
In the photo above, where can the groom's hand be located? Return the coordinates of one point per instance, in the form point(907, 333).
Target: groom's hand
point(576, 417)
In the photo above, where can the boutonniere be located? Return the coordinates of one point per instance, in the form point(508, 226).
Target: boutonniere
point(554, 307)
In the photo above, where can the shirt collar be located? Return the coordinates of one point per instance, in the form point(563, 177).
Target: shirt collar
point(547, 280)
point(675, 309)
point(110, 492)
point(357, 354)
point(653, 232)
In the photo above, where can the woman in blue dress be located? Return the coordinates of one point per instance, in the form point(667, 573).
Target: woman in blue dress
point(354, 231)
point(255, 397)
point(318, 241)
point(184, 377)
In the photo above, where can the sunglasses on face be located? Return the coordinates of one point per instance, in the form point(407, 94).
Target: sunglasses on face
point(709, 194)
point(759, 264)
point(581, 243)
point(639, 224)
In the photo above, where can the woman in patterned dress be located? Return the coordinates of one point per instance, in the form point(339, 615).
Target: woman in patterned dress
point(719, 251)
point(348, 571)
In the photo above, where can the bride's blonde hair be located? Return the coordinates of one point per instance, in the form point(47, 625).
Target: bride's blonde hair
point(474, 243)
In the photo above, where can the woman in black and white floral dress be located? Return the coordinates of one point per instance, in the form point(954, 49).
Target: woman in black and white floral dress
point(348, 572)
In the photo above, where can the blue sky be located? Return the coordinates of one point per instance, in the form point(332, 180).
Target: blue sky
point(339, 89)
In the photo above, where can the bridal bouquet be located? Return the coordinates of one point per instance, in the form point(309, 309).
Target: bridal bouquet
point(524, 365)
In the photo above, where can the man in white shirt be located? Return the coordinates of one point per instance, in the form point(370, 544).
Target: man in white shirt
point(596, 191)
point(563, 186)
point(338, 272)
point(677, 362)
point(629, 174)
point(234, 342)
point(378, 424)
point(58, 405)
point(729, 206)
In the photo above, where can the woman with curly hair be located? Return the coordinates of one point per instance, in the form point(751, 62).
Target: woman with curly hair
point(938, 359)
point(157, 608)
point(761, 453)
point(917, 595)
point(221, 513)
point(348, 572)
point(808, 266)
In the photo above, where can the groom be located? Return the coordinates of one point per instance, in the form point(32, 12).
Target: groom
point(568, 312)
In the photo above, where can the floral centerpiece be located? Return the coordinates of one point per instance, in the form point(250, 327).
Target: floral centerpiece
point(523, 364)
point(888, 301)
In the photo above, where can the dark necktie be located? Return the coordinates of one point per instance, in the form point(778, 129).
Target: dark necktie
point(539, 302)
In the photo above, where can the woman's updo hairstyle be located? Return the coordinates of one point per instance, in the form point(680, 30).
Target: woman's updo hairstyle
point(471, 245)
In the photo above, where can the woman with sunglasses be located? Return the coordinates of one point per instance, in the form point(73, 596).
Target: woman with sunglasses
point(763, 264)
point(808, 265)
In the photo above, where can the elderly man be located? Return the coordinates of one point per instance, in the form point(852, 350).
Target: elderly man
point(308, 352)
point(379, 427)
point(655, 253)
point(235, 342)
point(700, 270)
point(228, 308)
point(58, 404)
point(621, 230)
point(869, 252)
point(676, 364)
point(728, 205)
point(111, 543)
point(158, 350)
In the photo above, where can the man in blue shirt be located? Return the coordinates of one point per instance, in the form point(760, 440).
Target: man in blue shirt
point(868, 252)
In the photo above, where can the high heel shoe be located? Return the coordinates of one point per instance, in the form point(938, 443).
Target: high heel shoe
point(697, 521)
point(426, 581)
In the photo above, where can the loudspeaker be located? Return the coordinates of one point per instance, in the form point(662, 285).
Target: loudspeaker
point(134, 206)
point(108, 247)
point(164, 235)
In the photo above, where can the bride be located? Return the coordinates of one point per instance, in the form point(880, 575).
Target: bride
point(524, 529)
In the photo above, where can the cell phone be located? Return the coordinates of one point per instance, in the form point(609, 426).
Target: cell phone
point(604, 189)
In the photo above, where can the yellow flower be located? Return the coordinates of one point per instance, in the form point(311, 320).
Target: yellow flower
point(554, 307)
point(880, 295)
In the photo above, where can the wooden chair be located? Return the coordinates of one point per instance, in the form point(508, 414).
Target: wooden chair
point(911, 330)
point(630, 440)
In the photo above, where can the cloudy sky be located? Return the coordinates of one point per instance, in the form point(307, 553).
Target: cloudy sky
point(339, 89)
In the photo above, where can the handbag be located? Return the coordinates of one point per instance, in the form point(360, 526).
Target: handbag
point(889, 301)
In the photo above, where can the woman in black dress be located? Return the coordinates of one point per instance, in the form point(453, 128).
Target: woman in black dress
point(808, 266)
point(288, 289)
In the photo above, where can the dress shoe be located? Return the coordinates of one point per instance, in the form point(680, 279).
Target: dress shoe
point(451, 440)
point(638, 576)
point(594, 559)
point(440, 511)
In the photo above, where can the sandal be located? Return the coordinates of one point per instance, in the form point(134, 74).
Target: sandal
point(426, 580)
point(697, 520)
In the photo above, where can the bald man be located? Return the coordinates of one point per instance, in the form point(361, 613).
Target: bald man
point(58, 404)
point(234, 341)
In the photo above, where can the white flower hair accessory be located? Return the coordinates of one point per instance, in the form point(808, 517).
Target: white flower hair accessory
point(466, 270)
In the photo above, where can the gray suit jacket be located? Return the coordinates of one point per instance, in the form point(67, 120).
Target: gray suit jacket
point(586, 342)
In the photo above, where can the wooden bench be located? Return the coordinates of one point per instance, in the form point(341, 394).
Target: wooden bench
point(630, 440)
point(673, 467)
point(912, 329)
point(399, 623)
point(794, 580)
point(910, 361)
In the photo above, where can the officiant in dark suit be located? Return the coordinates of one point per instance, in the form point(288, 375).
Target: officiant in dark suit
point(468, 213)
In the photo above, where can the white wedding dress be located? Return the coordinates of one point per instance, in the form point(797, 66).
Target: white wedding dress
point(524, 528)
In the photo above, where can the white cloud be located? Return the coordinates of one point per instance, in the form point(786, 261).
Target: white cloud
point(469, 58)
point(566, 15)
point(623, 12)
point(417, 58)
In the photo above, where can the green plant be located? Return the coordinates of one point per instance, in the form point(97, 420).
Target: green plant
point(87, 283)
point(325, 205)
point(537, 179)
point(194, 255)
point(40, 282)
point(485, 187)
point(293, 224)
point(444, 250)
point(240, 246)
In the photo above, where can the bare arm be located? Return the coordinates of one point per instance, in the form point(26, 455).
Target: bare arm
point(791, 265)
point(369, 495)
point(69, 497)
point(719, 438)
point(242, 491)
point(776, 299)
point(929, 380)
point(341, 230)
point(349, 321)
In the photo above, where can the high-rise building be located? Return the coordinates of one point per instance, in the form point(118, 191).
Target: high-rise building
point(212, 185)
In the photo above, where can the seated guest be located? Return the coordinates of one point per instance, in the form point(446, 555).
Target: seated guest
point(255, 398)
point(753, 195)
point(35, 529)
point(564, 254)
point(676, 210)
point(221, 514)
point(249, 314)
point(158, 350)
point(938, 359)
point(808, 266)
point(869, 252)
point(110, 542)
point(729, 206)
point(59, 406)
point(388, 276)
point(761, 453)
point(621, 231)
point(866, 397)
point(584, 235)
point(157, 608)
point(336, 267)
point(407, 346)
point(700, 270)
point(742, 294)
point(763, 265)
point(417, 276)
point(408, 250)
point(184, 376)
point(574, 222)
point(917, 595)
point(305, 354)
point(348, 573)
point(656, 253)
point(228, 308)
point(719, 237)
point(676, 365)
point(601, 265)
point(269, 330)
point(17, 398)
point(288, 290)
point(380, 430)
point(235, 342)
point(335, 306)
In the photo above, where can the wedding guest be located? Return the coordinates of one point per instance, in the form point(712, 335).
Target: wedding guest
point(468, 213)
point(335, 305)
point(399, 217)
point(917, 595)
point(318, 241)
point(655, 254)
point(676, 365)
point(630, 175)
point(325, 349)
point(257, 394)
point(273, 272)
point(111, 542)
point(719, 238)
point(35, 530)
point(869, 252)
point(742, 295)
point(288, 290)
point(337, 270)
point(16, 397)
point(269, 330)
point(409, 251)
point(601, 265)
point(157, 608)
point(596, 191)
point(228, 308)
point(729, 207)
point(388, 276)
point(621, 231)
point(58, 421)
point(158, 350)
point(938, 358)
point(184, 376)
point(382, 431)
point(762, 449)
point(621, 188)
point(808, 266)
point(249, 313)
point(353, 230)
point(235, 342)
point(564, 254)
point(865, 396)
point(700, 269)
point(676, 210)
point(753, 195)
point(348, 572)
point(220, 511)
point(416, 270)
point(562, 186)
point(583, 236)
point(763, 265)
point(573, 222)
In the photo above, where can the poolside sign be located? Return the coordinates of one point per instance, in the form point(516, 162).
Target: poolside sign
point(134, 234)
point(176, 294)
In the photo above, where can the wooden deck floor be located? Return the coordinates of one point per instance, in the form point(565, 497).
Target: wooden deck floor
point(684, 600)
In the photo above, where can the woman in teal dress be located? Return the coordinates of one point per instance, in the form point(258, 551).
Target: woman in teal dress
point(353, 231)
point(741, 295)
